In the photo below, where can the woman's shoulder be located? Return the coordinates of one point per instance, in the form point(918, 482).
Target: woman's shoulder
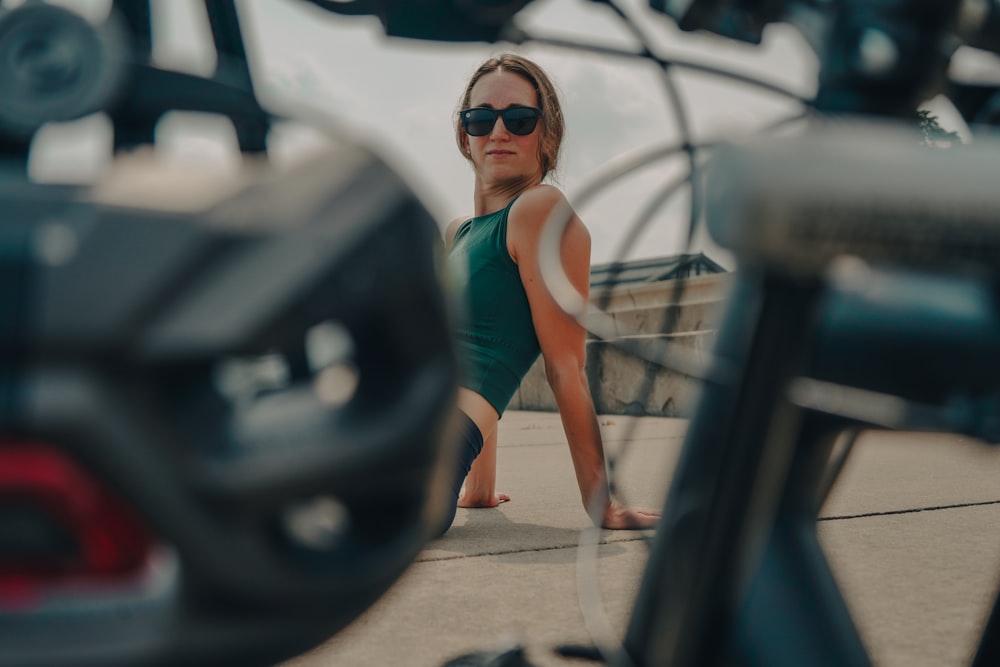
point(451, 229)
point(539, 195)
point(533, 207)
point(533, 210)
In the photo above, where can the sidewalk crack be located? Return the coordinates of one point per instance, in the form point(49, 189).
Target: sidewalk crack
point(507, 552)
point(913, 510)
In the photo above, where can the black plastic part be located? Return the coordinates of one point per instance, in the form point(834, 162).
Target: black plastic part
point(793, 612)
point(513, 657)
point(437, 20)
point(55, 66)
point(884, 57)
point(119, 355)
point(924, 337)
point(987, 34)
point(234, 68)
point(15, 286)
point(742, 20)
point(979, 104)
point(719, 518)
point(988, 652)
point(30, 534)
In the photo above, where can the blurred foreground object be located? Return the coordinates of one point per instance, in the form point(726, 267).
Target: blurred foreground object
point(866, 298)
point(440, 20)
point(203, 372)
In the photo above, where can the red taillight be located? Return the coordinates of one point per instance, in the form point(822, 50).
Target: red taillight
point(58, 523)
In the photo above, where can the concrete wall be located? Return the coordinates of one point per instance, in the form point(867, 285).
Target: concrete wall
point(623, 383)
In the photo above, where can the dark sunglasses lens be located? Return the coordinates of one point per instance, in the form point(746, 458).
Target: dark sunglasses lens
point(520, 121)
point(479, 122)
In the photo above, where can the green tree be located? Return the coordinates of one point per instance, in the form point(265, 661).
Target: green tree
point(931, 132)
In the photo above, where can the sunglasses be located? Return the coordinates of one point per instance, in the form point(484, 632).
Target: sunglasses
point(479, 122)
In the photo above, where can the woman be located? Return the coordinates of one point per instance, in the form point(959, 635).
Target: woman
point(510, 128)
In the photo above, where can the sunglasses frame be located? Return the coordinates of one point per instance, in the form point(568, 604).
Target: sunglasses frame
point(498, 113)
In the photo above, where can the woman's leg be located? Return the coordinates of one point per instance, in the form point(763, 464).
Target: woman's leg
point(469, 447)
point(481, 483)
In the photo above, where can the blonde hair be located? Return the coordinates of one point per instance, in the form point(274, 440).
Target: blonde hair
point(552, 124)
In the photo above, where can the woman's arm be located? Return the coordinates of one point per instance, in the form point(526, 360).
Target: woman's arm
point(563, 343)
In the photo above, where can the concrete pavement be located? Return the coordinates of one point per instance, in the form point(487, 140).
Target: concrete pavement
point(912, 531)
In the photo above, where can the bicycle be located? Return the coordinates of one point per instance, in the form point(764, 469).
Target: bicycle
point(808, 351)
point(195, 388)
point(757, 461)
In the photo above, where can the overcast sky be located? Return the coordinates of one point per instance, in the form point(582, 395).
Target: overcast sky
point(404, 93)
point(401, 95)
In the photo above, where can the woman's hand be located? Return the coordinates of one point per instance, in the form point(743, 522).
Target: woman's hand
point(619, 517)
point(467, 499)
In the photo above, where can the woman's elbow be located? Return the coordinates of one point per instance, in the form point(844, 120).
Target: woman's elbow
point(565, 374)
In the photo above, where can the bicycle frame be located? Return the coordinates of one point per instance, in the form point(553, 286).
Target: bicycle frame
point(736, 575)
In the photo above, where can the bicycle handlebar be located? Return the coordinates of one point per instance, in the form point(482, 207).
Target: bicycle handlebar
point(796, 205)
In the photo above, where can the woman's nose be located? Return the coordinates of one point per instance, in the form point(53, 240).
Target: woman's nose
point(499, 130)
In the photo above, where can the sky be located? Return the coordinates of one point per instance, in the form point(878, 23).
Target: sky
point(399, 96)
point(402, 95)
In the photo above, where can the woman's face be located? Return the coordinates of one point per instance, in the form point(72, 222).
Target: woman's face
point(501, 155)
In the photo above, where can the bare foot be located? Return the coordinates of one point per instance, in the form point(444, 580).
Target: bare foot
point(472, 500)
point(617, 517)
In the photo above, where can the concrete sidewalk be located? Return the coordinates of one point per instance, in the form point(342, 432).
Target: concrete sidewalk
point(912, 532)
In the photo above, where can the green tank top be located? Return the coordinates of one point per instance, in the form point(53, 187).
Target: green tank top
point(495, 335)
